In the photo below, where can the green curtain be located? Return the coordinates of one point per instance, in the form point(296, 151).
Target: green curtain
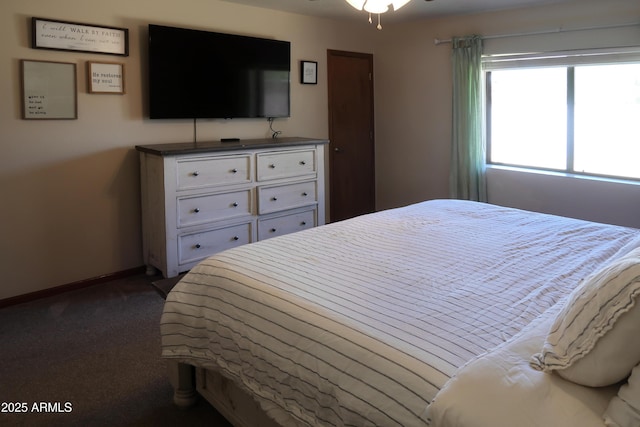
point(468, 149)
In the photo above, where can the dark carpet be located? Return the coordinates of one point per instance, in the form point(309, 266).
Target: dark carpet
point(90, 357)
point(164, 286)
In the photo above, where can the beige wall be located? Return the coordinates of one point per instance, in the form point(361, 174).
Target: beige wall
point(413, 108)
point(70, 188)
point(413, 85)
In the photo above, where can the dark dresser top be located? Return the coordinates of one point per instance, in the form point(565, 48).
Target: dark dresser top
point(174, 149)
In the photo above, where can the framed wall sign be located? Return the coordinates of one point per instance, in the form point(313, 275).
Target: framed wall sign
point(105, 77)
point(308, 72)
point(74, 36)
point(48, 90)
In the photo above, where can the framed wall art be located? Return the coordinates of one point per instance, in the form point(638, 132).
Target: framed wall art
point(48, 90)
point(74, 36)
point(105, 77)
point(308, 72)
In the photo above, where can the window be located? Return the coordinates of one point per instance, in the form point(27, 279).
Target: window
point(581, 119)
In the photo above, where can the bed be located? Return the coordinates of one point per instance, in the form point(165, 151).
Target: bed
point(438, 313)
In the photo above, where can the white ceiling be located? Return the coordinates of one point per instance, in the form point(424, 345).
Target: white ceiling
point(414, 10)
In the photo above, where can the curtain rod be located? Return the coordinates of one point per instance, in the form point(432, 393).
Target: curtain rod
point(437, 41)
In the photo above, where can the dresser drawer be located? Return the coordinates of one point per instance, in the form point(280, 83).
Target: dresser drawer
point(201, 172)
point(282, 197)
point(278, 226)
point(213, 207)
point(197, 246)
point(285, 164)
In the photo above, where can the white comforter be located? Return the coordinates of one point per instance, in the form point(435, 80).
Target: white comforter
point(362, 322)
point(500, 389)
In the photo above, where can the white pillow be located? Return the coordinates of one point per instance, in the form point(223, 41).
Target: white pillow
point(624, 409)
point(583, 345)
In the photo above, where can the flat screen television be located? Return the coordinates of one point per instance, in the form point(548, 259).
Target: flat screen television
point(202, 74)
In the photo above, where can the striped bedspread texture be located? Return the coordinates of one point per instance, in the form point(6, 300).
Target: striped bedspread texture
point(363, 321)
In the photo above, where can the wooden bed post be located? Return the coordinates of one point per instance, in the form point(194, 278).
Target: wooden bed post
point(182, 378)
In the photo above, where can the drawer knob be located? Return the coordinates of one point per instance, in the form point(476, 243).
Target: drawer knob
point(273, 230)
point(274, 199)
point(195, 173)
point(197, 246)
point(234, 204)
point(305, 194)
point(303, 223)
point(196, 210)
point(302, 162)
point(236, 238)
point(234, 170)
point(272, 166)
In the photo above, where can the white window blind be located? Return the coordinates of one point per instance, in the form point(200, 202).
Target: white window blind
point(562, 58)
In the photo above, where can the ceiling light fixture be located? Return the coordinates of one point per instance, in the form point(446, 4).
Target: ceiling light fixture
point(377, 6)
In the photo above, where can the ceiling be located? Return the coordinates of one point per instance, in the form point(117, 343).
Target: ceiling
point(414, 10)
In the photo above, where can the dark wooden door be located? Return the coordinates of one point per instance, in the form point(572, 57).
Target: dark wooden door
point(351, 134)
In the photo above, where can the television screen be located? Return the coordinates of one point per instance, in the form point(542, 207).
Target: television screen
point(202, 74)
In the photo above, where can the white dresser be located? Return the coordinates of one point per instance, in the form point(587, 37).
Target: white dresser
point(199, 199)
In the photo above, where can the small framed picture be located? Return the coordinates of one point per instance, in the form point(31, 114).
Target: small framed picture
point(48, 90)
point(308, 72)
point(105, 77)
